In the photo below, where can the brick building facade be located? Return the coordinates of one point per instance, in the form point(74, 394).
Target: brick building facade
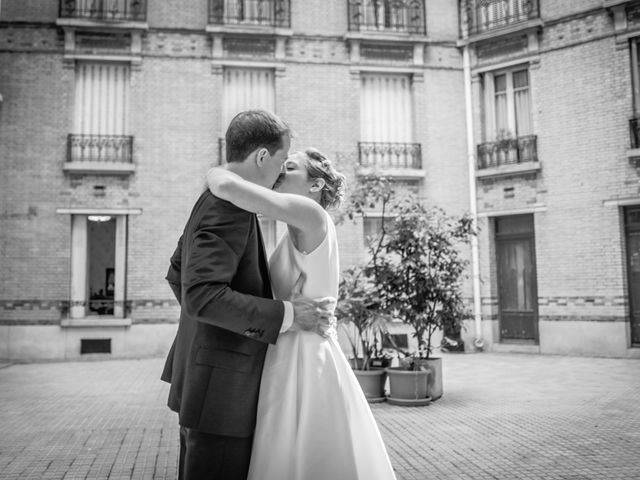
point(112, 112)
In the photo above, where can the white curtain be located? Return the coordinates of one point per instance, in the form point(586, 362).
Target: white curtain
point(501, 104)
point(386, 118)
point(102, 97)
point(386, 108)
point(246, 89)
point(522, 103)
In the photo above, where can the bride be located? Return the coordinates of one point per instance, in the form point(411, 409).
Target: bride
point(314, 422)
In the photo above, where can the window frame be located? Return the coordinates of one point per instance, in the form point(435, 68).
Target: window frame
point(491, 130)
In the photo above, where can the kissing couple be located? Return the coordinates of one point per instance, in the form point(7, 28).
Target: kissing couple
point(260, 384)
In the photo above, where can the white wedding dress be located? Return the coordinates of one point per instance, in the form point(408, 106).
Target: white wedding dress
point(314, 422)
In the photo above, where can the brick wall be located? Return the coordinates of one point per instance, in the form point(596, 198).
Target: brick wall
point(581, 97)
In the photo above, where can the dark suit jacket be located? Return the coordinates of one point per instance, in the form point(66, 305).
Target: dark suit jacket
point(219, 274)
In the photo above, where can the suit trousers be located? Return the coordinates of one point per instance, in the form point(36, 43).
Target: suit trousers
point(204, 456)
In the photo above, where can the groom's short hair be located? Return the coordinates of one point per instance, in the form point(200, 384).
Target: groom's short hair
point(253, 129)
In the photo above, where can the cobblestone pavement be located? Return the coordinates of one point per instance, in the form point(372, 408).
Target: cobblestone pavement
point(502, 416)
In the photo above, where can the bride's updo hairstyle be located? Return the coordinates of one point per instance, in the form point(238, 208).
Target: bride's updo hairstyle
point(319, 166)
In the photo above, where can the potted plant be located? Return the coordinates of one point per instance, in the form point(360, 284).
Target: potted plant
point(506, 146)
point(419, 274)
point(363, 328)
point(416, 270)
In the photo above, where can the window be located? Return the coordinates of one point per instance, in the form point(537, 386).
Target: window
point(507, 104)
point(496, 13)
point(102, 94)
point(634, 123)
point(269, 233)
point(101, 113)
point(98, 259)
point(246, 89)
point(386, 121)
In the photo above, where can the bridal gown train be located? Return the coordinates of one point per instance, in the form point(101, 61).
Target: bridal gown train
point(314, 422)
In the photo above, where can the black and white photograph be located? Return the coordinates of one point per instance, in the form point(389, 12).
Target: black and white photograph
point(319, 239)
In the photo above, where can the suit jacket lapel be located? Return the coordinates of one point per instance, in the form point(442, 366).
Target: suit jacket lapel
point(264, 264)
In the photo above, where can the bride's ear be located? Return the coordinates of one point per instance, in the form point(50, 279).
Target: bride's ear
point(318, 185)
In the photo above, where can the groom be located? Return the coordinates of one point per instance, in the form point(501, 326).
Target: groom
point(219, 274)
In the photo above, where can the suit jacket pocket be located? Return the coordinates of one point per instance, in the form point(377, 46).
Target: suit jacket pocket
point(226, 359)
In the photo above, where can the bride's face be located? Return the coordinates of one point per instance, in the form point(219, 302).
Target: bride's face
point(294, 177)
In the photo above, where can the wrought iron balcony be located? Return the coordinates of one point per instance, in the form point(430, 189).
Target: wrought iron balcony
point(100, 148)
point(105, 10)
point(273, 13)
point(487, 15)
point(634, 129)
point(508, 152)
point(390, 155)
point(398, 16)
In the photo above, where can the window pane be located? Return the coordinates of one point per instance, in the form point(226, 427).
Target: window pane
point(523, 113)
point(521, 79)
point(517, 275)
point(522, 103)
point(502, 117)
point(500, 82)
point(514, 224)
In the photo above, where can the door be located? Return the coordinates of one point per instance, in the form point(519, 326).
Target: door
point(632, 231)
point(517, 287)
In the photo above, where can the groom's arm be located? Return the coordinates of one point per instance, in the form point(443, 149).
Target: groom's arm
point(210, 267)
point(173, 275)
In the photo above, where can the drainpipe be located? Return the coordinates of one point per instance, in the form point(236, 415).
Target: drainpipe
point(478, 342)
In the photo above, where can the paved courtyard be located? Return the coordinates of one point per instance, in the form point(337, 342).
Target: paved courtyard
point(502, 416)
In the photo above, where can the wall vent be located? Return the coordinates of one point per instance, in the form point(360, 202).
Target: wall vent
point(95, 345)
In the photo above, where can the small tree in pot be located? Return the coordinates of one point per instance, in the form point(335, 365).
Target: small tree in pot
point(418, 275)
point(416, 270)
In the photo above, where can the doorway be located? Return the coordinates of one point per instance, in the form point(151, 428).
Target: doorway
point(98, 265)
point(101, 264)
point(517, 283)
point(632, 239)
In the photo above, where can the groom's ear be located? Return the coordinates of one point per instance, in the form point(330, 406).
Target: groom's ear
point(262, 156)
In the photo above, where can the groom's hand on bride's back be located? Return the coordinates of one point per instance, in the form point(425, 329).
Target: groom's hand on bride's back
point(314, 315)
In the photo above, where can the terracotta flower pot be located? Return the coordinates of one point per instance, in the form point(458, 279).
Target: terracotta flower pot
point(434, 384)
point(372, 383)
point(408, 387)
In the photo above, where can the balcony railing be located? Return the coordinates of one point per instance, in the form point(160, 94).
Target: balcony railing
point(508, 152)
point(109, 10)
point(487, 15)
point(390, 155)
point(634, 129)
point(100, 148)
point(401, 16)
point(274, 13)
